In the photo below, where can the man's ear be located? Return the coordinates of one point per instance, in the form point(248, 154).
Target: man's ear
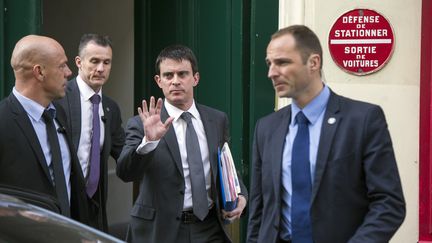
point(38, 72)
point(78, 62)
point(314, 62)
point(157, 79)
point(196, 78)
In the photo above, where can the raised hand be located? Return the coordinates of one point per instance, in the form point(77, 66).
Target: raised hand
point(154, 129)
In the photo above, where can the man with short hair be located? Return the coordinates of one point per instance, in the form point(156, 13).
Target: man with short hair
point(95, 120)
point(172, 149)
point(323, 168)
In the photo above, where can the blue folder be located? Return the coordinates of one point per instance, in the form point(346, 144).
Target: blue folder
point(226, 205)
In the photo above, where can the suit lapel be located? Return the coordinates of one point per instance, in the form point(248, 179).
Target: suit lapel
point(27, 128)
point(107, 119)
point(212, 138)
point(106, 148)
point(74, 112)
point(171, 141)
point(278, 144)
point(75, 165)
point(328, 131)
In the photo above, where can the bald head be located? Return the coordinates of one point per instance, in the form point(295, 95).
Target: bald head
point(40, 68)
point(33, 50)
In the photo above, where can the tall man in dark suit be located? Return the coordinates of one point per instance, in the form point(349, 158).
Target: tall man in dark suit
point(84, 116)
point(169, 207)
point(323, 168)
point(35, 150)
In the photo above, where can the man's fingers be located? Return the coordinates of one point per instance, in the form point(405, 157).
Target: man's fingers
point(152, 105)
point(231, 214)
point(142, 115)
point(144, 106)
point(158, 106)
point(168, 122)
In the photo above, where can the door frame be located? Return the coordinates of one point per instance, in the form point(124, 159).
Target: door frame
point(425, 168)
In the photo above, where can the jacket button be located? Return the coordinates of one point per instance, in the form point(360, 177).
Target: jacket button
point(177, 218)
point(182, 192)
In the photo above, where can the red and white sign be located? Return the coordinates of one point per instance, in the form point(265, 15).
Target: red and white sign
point(361, 41)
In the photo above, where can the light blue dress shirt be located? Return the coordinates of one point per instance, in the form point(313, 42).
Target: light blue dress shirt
point(314, 112)
point(34, 111)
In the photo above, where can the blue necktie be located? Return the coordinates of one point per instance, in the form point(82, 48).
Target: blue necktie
point(301, 229)
point(94, 174)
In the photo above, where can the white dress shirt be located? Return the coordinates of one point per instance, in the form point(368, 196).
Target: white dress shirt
point(179, 126)
point(87, 124)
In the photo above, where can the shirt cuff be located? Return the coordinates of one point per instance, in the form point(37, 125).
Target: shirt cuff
point(146, 146)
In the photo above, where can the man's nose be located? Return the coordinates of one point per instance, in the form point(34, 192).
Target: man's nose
point(175, 80)
point(68, 72)
point(272, 71)
point(100, 67)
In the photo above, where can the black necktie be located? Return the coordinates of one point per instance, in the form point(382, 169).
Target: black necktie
point(196, 169)
point(301, 183)
point(56, 162)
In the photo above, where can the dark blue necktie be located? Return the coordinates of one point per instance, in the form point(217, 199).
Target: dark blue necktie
point(56, 162)
point(301, 229)
point(94, 173)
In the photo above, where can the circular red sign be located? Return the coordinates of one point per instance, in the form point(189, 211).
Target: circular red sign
point(361, 41)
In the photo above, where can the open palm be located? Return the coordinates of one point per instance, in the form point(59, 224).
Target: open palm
point(154, 128)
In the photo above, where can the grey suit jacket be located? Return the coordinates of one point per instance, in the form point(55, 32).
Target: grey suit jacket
point(113, 141)
point(155, 215)
point(23, 163)
point(356, 195)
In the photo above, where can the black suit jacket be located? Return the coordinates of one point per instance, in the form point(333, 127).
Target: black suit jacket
point(113, 143)
point(356, 194)
point(155, 215)
point(23, 163)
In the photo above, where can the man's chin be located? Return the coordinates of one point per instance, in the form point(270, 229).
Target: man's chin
point(98, 82)
point(177, 101)
point(281, 92)
point(284, 94)
point(59, 95)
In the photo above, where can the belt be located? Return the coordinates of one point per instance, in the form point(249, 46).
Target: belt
point(187, 217)
point(284, 241)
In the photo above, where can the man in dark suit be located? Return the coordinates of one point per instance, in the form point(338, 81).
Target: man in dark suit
point(33, 156)
point(169, 207)
point(94, 65)
point(323, 168)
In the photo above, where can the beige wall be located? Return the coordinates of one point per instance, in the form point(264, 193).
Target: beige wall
point(395, 87)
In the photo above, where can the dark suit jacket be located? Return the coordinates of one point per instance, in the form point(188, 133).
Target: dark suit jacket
point(22, 162)
point(356, 194)
point(113, 143)
point(155, 215)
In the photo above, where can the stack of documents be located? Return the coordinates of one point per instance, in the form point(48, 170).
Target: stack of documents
point(230, 186)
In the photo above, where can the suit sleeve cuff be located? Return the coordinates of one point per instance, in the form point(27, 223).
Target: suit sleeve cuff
point(146, 146)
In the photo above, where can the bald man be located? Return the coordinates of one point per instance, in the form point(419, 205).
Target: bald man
point(26, 153)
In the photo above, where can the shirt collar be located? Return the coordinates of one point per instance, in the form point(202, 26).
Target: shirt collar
point(176, 112)
point(85, 90)
point(313, 110)
point(33, 109)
